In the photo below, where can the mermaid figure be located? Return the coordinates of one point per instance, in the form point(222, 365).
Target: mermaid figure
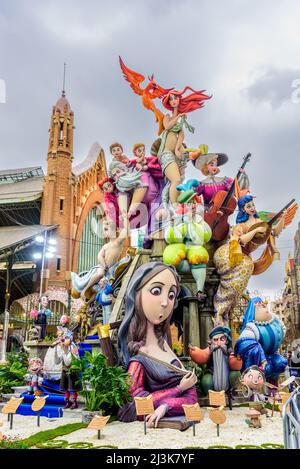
point(171, 154)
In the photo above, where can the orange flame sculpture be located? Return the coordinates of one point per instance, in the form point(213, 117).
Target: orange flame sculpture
point(148, 94)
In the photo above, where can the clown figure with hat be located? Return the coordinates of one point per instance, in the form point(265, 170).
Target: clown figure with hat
point(222, 366)
point(65, 351)
point(209, 164)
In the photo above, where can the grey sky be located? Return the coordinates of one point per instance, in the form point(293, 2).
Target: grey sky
point(245, 53)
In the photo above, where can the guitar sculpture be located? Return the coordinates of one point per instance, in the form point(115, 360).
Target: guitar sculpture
point(260, 239)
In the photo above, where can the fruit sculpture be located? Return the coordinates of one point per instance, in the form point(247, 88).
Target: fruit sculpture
point(186, 249)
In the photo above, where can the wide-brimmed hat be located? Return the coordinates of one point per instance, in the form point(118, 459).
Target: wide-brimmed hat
point(204, 159)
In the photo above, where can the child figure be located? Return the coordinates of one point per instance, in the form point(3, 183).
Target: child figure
point(254, 380)
point(117, 154)
point(139, 153)
point(128, 180)
point(146, 163)
point(35, 373)
point(108, 256)
point(104, 298)
point(107, 186)
point(65, 350)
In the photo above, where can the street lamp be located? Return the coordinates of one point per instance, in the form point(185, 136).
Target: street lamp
point(48, 252)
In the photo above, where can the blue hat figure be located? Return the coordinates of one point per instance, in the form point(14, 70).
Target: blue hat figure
point(250, 311)
point(260, 337)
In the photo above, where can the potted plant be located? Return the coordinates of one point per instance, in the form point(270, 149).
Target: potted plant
point(105, 388)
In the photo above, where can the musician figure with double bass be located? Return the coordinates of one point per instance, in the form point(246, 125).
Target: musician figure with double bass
point(218, 192)
point(233, 259)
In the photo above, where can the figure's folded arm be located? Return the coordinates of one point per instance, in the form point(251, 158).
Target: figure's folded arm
point(175, 403)
point(137, 372)
point(137, 389)
point(172, 397)
point(248, 345)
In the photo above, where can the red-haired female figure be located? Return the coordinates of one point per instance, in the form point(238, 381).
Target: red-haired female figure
point(171, 152)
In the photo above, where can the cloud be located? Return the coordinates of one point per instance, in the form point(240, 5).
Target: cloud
point(82, 26)
point(275, 87)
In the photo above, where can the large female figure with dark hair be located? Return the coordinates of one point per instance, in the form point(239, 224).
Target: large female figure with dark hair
point(233, 260)
point(143, 340)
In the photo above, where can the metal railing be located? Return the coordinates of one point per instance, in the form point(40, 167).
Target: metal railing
point(291, 421)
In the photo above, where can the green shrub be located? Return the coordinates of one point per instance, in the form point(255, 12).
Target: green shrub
point(11, 442)
point(52, 444)
point(20, 357)
point(193, 447)
point(271, 446)
point(80, 445)
point(105, 387)
point(247, 447)
point(106, 447)
point(47, 435)
point(49, 338)
point(199, 372)
point(219, 447)
point(12, 373)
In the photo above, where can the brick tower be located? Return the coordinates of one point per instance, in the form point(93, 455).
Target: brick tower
point(57, 204)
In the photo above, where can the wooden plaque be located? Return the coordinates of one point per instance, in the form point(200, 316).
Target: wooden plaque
point(144, 405)
point(193, 412)
point(38, 403)
point(217, 416)
point(217, 398)
point(98, 422)
point(12, 405)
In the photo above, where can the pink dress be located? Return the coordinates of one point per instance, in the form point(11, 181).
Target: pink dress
point(153, 179)
point(211, 185)
point(150, 376)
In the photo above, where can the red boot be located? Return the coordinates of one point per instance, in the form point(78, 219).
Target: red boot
point(68, 403)
point(74, 405)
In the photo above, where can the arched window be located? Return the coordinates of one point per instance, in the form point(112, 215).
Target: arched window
point(91, 242)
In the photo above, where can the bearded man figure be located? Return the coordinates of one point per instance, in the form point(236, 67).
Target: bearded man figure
point(222, 366)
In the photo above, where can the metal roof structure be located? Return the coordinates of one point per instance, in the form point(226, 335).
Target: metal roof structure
point(18, 244)
point(19, 174)
point(16, 238)
point(24, 190)
point(21, 192)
